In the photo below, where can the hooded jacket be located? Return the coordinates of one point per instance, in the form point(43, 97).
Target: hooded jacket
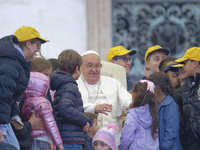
point(136, 133)
point(14, 77)
point(69, 109)
point(35, 101)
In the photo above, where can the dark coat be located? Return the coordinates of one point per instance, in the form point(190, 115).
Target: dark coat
point(188, 97)
point(14, 77)
point(68, 107)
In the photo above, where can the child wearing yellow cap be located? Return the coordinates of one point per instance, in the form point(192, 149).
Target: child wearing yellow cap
point(153, 56)
point(189, 98)
point(121, 56)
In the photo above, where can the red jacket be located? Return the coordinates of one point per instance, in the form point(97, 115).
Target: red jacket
point(35, 101)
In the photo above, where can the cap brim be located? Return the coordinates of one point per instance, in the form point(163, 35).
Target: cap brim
point(167, 67)
point(181, 60)
point(43, 40)
point(132, 52)
point(174, 68)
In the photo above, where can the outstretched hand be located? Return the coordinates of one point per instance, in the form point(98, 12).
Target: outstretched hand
point(103, 108)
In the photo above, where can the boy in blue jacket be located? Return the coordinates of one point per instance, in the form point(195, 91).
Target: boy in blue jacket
point(71, 120)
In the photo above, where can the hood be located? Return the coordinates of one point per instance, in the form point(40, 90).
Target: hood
point(38, 85)
point(143, 115)
point(7, 50)
point(59, 78)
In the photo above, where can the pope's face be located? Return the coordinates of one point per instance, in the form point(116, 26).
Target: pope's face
point(91, 68)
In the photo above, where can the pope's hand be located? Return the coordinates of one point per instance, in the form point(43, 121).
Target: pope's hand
point(103, 108)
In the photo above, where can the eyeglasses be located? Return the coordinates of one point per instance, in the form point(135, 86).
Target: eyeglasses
point(125, 59)
point(91, 66)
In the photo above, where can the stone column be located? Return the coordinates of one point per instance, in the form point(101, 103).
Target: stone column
point(99, 26)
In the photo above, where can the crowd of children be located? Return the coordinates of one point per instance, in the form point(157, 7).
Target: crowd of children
point(164, 113)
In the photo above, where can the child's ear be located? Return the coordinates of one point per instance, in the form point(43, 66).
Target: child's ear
point(77, 69)
point(147, 64)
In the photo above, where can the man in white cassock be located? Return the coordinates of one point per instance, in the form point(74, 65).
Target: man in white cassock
point(104, 96)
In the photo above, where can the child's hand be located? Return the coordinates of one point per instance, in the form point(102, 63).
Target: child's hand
point(18, 127)
point(61, 147)
point(86, 127)
point(52, 147)
point(146, 73)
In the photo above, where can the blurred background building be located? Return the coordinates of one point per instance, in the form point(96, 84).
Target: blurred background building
point(101, 24)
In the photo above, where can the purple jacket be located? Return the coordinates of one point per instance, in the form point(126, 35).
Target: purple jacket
point(136, 134)
point(35, 101)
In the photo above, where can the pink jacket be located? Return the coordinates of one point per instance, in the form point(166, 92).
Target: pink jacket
point(35, 101)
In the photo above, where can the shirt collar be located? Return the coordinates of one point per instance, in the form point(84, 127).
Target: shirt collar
point(19, 49)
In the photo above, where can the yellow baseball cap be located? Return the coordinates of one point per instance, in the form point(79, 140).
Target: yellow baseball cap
point(192, 53)
point(26, 33)
point(119, 51)
point(153, 49)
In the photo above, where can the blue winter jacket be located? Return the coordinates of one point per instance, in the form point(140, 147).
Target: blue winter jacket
point(14, 77)
point(168, 134)
point(68, 108)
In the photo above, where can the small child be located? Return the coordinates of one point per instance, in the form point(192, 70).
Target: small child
point(173, 76)
point(71, 120)
point(141, 125)
point(92, 131)
point(104, 139)
point(168, 112)
point(35, 101)
point(153, 56)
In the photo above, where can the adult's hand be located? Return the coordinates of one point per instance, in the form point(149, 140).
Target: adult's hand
point(103, 108)
point(36, 123)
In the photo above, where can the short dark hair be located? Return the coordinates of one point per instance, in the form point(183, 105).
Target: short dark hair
point(54, 63)
point(164, 62)
point(68, 60)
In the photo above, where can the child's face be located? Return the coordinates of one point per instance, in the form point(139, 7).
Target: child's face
point(173, 79)
point(126, 65)
point(99, 145)
point(189, 68)
point(94, 127)
point(154, 61)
